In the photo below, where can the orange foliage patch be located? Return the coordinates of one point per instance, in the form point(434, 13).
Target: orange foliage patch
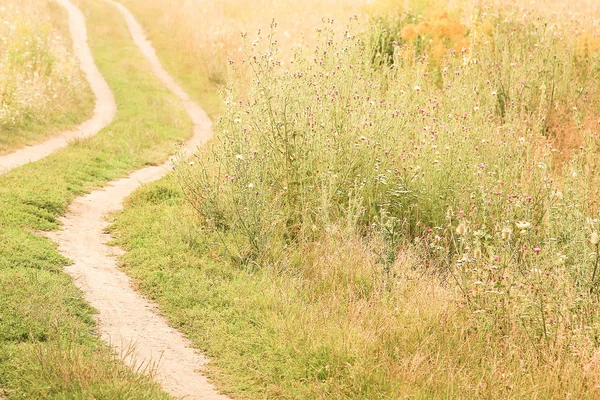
point(568, 137)
point(444, 33)
point(588, 45)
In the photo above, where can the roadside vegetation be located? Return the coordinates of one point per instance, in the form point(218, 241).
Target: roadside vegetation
point(405, 207)
point(42, 90)
point(48, 344)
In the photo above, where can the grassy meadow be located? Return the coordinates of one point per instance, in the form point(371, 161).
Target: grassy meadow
point(42, 90)
point(404, 206)
point(401, 199)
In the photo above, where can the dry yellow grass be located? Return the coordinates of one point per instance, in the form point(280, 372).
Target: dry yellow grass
point(42, 90)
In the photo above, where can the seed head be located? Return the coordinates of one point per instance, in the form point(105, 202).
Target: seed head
point(523, 225)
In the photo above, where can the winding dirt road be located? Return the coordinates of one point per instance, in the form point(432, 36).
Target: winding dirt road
point(104, 109)
point(127, 320)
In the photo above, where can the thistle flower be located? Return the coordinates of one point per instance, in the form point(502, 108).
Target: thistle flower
point(506, 233)
point(461, 229)
point(594, 238)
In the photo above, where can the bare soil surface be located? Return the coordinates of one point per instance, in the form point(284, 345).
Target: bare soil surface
point(130, 323)
point(104, 109)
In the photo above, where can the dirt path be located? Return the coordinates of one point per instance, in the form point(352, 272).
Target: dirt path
point(104, 110)
point(199, 117)
point(128, 321)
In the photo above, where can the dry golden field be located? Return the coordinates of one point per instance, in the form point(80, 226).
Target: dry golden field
point(42, 90)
